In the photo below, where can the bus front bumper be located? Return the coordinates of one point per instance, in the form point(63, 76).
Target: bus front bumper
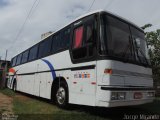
point(123, 103)
point(124, 97)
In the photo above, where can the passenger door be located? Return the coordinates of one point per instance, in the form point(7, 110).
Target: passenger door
point(83, 55)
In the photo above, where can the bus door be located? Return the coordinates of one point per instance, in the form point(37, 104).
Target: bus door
point(41, 80)
point(83, 56)
point(37, 82)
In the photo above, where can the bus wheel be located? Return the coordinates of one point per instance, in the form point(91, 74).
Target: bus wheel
point(62, 95)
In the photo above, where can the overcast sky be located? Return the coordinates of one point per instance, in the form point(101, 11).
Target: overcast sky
point(50, 15)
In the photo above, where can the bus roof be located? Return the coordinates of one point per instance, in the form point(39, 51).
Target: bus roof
point(101, 10)
point(93, 12)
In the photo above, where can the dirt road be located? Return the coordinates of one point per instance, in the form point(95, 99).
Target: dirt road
point(5, 104)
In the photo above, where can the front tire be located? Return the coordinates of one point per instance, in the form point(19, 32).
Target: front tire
point(61, 95)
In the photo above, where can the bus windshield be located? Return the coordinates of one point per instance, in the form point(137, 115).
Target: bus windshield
point(123, 41)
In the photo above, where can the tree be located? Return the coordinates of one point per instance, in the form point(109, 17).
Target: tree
point(153, 39)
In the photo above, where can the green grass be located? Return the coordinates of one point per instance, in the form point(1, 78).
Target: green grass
point(35, 109)
point(152, 107)
point(7, 92)
point(38, 109)
point(32, 106)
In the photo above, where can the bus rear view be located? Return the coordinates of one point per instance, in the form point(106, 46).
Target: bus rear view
point(124, 76)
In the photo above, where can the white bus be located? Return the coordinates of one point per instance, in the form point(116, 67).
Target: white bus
point(100, 59)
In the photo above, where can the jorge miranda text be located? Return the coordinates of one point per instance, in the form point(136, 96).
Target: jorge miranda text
point(141, 117)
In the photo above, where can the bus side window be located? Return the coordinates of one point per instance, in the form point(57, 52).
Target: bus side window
point(78, 36)
point(78, 50)
point(89, 40)
point(19, 59)
point(61, 40)
point(14, 61)
point(33, 53)
point(65, 36)
point(25, 56)
point(45, 47)
point(83, 40)
point(55, 43)
point(89, 32)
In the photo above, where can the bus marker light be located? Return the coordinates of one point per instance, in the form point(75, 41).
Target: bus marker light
point(74, 82)
point(138, 95)
point(93, 83)
point(11, 70)
point(108, 71)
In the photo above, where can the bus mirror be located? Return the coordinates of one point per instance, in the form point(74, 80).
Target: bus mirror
point(137, 43)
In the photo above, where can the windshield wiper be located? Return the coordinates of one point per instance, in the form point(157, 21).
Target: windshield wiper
point(143, 56)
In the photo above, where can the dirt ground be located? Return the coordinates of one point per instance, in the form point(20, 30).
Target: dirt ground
point(5, 104)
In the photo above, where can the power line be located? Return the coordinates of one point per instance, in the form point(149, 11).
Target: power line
point(91, 6)
point(22, 27)
point(35, 8)
point(25, 20)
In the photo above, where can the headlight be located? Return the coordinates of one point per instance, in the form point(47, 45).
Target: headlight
point(150, 94)
point(114, 96)
point(118, 95)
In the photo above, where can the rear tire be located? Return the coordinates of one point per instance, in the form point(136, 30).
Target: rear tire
point(61, 95)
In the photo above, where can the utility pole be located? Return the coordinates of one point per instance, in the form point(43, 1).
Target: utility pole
point(5, 71)
point(6, 55)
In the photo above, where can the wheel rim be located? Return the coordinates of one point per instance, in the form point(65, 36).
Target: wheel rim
point(61, 95)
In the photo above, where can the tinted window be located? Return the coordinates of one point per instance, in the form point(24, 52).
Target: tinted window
point(56, 42)
point(45, 47)
point(83, 40)
point(19, 59)
point(140, 45)
point(65, 35)
point(121, 40)
point(25, 56)
point(61, 40)
point(78, 37)
point(14, 61)
point(33, 53)
point(90, 31)
point(120, 34)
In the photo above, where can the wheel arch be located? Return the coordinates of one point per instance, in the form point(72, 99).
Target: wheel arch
point(55, 84)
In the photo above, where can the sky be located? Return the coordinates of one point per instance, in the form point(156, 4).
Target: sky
point(51, 15)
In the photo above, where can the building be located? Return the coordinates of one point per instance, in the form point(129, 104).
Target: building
point(4, 65)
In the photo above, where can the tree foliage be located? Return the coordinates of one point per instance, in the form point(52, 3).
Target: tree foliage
point(153, 39)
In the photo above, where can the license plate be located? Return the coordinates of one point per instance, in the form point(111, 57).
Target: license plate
point(138, 95)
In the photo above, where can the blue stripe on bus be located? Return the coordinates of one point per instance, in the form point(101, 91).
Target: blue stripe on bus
point(51, 68)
